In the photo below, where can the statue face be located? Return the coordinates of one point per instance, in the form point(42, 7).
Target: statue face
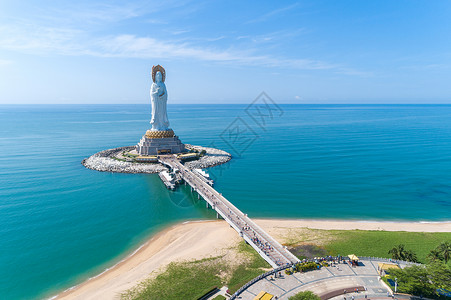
point(158, 77)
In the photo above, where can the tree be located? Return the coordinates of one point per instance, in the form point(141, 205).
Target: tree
point(409, 255)
point(435, 255)
point(423, 280)
point(445, 249)
point(401, 253)
point(440, 275)
point(397, 252)
point(305, 295)
point(414, 280)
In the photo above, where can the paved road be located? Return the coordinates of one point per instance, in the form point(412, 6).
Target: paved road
point(324, 281)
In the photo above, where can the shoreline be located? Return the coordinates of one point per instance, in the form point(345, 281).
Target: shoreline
point(203, 238)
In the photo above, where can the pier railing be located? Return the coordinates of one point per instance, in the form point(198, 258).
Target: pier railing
point(330, 258)
point(258, 278)
point(267, 247)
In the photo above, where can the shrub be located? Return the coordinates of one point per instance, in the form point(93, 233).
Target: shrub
point(305, 295)
point(307, 266)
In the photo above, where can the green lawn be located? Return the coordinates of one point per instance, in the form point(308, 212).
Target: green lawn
point(191, 280)
point(378, 243)
point(188, 280)
point(248, 271)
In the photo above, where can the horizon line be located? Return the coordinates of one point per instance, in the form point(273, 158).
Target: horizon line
point(225, 103)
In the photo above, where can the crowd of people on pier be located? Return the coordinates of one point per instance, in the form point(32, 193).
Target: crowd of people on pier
point(237, 218)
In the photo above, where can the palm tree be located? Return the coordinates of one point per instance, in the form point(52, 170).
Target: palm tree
point(410, 256)
point(445, 249)
point(435, 255)
point(401, 253)
point(398, 252)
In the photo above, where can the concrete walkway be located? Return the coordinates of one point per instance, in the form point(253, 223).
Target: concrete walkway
point(326, 280)
point(265, 245)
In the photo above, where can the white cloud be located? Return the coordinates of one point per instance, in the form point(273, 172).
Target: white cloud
point(145, 47)
point(4, 62)
point(61, 41)
point(272, 13)
point(66, 39)
point(39, 40)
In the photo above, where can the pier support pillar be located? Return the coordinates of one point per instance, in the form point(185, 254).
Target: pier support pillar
point(208, 206)
point(198, 197)
point(218, 216)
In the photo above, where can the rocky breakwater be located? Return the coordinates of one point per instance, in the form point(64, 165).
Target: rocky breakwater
point(107, 161)
point(212, 157)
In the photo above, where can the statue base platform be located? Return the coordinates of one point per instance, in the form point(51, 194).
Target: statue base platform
point(159, 142)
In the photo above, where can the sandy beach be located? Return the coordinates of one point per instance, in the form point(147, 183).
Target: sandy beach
point(197, 240)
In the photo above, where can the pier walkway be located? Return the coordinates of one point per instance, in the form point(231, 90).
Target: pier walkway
point(267, 247)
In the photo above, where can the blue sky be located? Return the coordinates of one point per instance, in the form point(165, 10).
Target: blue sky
point(226, 51)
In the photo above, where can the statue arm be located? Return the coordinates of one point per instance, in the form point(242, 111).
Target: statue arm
point(154, 90)
point(165, 91)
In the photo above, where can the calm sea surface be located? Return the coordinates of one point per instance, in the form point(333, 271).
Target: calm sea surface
point(61, 223)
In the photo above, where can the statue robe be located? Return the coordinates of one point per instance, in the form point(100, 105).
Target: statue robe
point(159, 99)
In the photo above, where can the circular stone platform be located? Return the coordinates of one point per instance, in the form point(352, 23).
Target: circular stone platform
point(106, 161)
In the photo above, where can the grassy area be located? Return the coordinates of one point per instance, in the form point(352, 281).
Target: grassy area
point(248, 271)
point(187, 280)
point(309, 243)
point(378, 243)
point(191, 280)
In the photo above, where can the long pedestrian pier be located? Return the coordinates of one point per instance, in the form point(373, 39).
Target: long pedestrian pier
point(267, 247)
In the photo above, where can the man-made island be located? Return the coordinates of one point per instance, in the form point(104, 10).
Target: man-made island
point(160, 139)
point(123, 160)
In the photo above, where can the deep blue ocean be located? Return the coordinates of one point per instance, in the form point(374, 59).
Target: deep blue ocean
point(61, 223)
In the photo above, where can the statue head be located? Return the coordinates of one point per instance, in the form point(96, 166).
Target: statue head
point(158, 77)
point(160, 70)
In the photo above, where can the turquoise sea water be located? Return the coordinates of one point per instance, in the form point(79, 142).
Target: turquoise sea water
point(61, 223)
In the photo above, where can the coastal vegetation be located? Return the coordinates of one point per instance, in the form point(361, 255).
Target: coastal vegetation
point(401, 253)
point(305, 295)
point(442, 252)
point(193, 279)
point(367, 243)
point(255, 266)
point(431, 280)
point(303, 267)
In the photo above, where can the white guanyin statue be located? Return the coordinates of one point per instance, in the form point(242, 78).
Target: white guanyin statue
point(159, 99)
point(160, 139)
